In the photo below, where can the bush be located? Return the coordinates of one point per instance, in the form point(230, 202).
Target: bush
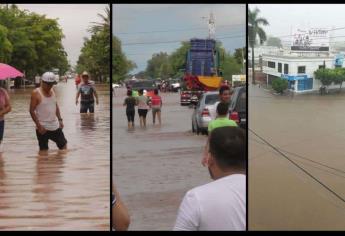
point(279, 85)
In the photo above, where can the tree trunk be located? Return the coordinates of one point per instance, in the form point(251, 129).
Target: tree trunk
point(253, 66)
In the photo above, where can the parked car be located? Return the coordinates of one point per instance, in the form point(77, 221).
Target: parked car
point(238, 106)
point(201, 115)
point(147, 85)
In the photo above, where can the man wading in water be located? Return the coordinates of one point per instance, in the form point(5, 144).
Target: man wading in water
point(45, 112)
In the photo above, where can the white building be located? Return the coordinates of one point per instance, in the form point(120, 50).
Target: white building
point(297, 68)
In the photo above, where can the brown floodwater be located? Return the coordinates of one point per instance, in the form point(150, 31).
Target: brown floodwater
point(61, 191)
point(310, 130)
point(154, 167)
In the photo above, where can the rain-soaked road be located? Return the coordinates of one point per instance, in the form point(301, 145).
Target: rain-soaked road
point(281, 196)
point(62, 191)
point(154, 168)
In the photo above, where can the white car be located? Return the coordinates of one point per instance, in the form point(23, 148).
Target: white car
point(116, 86)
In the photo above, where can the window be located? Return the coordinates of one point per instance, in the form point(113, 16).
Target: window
point(286, 68)
point(321, 67)
point(280, 67)
point(271, 64)
point(301, 70)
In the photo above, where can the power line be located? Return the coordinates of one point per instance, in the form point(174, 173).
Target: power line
point(299, 167)
point(175, 41)
point(177, 30)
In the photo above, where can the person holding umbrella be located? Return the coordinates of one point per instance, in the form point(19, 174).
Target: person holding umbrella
point(5, 107)
point(6, 72)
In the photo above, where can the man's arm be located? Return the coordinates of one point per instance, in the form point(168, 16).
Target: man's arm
point(188, 217)
point(77, 97)
point(33, 104)
point(121, 218)
point(95, 94)
point(58, 115)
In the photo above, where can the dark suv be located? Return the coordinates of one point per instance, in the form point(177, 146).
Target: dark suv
point(238, 106)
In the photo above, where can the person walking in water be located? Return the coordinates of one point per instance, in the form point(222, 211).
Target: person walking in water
point(45, 113)
point(130, 103)
point(143, 107)
point(5, 107)
point(87, 92)
point(156, 105)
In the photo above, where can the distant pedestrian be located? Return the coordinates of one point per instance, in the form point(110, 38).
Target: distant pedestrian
point(130, 103)
point(88, 92)
point(143, 107)
point(121, 218)
point(77, 81)
point(156, 105)
point(221, 204)
point(5, 107)
point(45, 112)
point(37, 81)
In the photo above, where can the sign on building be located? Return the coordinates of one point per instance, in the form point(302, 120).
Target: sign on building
point(313, 39)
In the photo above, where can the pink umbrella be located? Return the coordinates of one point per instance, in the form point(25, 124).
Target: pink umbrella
point(7, 71)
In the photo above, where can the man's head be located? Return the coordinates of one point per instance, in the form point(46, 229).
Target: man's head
point(222, 108)
point(224, 93)
point(227, 151)
point(141, 92)
point(48, 80)
point(85, 77)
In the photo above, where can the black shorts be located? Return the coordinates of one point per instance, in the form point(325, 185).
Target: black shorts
point(56, 136)
point(142, 112)
point(84, 106)
point(130, 115)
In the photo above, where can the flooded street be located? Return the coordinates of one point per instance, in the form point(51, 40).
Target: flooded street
point(310, 130)
point(154, 167)
point(62, 191)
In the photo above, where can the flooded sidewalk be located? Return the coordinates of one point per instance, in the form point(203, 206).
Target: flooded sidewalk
point(309, 129)
point(61, 191)
point(154, 167)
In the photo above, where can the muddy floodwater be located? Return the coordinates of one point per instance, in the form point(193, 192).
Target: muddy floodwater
point(310, 130)
point(61, 191)
point(154, 167)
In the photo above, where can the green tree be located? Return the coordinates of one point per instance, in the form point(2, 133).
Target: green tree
point(95, 54)
point(325, 76)
point(31, 42)
point(279, 85)
point(120, 65)
point(154, 65)
point(255, 30)
point(274, 42)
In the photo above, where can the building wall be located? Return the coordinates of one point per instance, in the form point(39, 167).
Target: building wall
point(311, 65)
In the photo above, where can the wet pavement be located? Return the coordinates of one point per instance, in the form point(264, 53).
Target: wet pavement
point(282, 196)
point(154, 167)
point(61, 191)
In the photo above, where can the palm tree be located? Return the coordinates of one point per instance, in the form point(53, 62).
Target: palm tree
point(104, 25)
point(254, 29)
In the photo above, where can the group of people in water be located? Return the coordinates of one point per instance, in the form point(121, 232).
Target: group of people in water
point(144, 104)
point(45, 111)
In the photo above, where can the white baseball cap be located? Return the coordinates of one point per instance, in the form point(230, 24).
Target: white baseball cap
point(49, 77)
point(85, 74)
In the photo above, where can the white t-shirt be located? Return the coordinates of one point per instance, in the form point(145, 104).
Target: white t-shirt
point(219, 205)
point(213, 110)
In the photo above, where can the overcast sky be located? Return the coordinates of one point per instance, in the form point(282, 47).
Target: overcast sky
point(74, 19)
point(284, 17)
point(182, 21)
